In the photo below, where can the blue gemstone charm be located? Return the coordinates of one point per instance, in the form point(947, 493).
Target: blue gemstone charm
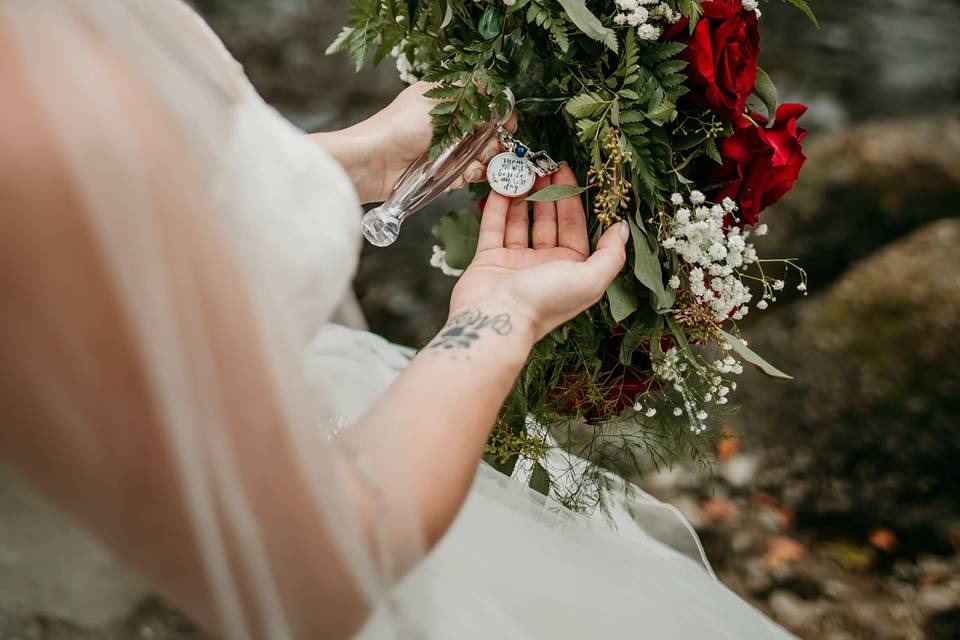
point(520, 150)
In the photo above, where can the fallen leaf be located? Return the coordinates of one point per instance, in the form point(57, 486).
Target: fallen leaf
point(728, 445)
point(850, 556)
point(783, 550)
point(883, 539)
point(719, 509)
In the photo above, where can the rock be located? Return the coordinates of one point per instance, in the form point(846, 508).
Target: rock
point(861, 188)
point(739, 470)
point(794, 611)
point(938, 598)
point(50, 567)
point(869, 423)
point(746, 541)
point(836, 589)
point(756, 577)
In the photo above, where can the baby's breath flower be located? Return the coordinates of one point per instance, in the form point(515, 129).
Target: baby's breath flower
point(648, 32)
point(677, 411)
point(439, 261)
point(715, 255)
point(651, 412)
point(751, 5)
point(762, 305)
point(674, 282)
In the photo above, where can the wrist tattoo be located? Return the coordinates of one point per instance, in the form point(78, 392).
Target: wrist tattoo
point(464, 329)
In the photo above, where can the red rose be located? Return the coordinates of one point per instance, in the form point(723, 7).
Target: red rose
point(760, 165)
point(722, 53)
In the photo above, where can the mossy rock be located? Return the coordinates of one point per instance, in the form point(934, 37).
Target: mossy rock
point(870, 427)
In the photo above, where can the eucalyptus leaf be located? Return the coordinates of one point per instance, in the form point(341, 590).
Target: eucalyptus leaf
point(556, 192)
point(646, 267)
point(767, 92)
point(803, 6)
point(639, 331)
point(752, 357)
point(678, 333)
point(506, 468)
point(589, 24)
point(656, 352)
point(457, 232)
point(622, 301)
point(540, 479)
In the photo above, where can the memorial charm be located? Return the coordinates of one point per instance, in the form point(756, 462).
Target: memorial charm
point(513, 172)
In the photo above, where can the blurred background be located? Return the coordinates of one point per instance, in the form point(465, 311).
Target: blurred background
point(837, 511)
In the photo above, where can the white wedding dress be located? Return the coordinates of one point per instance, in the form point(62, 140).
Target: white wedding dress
point(514, 564)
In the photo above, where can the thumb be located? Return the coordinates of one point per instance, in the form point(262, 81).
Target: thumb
point(607, 261)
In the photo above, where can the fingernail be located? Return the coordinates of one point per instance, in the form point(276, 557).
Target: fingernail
point(473, 175)
point(624, 230)
point(563, 163)
point(488, 155)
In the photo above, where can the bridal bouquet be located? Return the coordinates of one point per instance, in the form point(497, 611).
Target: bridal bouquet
point(662, 108)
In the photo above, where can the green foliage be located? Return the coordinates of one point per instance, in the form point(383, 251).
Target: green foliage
point(753, 357)
point(692, 10)
point(576, 11)
point(807, 11)
point(540, 15)
point(646, 268)
point(457, 232)
point(591, 92)
point(767, 92)
point(555, 192)
point(622, 301)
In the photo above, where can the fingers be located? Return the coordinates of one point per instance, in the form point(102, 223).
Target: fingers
point(511, 123)
point(544, 219)
point(571, 221)
point(493, 148)
point(607, 261)
point(475, 171)
point(493, 222)
point(517, 224)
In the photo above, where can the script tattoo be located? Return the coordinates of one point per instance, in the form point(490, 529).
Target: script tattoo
point(465, 328)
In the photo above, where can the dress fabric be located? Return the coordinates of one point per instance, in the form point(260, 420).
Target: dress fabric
point(515, 564)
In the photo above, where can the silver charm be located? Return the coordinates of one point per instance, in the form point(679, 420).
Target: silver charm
point(510, 175)
point(513, 172)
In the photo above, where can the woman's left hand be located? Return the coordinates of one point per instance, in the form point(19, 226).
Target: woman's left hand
point(376, 152)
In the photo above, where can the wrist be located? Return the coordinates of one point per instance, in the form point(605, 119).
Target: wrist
point(496, 318)
point(358, 150)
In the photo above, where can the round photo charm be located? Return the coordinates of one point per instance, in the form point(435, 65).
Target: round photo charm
point(510, 175)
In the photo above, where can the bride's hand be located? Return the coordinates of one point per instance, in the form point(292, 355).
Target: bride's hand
point(545, 279)
point(376, 151)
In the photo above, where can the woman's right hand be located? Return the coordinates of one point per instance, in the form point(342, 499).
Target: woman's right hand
point(545, 277)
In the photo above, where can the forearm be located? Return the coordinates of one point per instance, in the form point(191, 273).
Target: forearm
point(445, 405)
point(358, 149)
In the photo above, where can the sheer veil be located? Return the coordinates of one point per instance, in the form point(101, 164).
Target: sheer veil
point(162, 328)
point(168, 155)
